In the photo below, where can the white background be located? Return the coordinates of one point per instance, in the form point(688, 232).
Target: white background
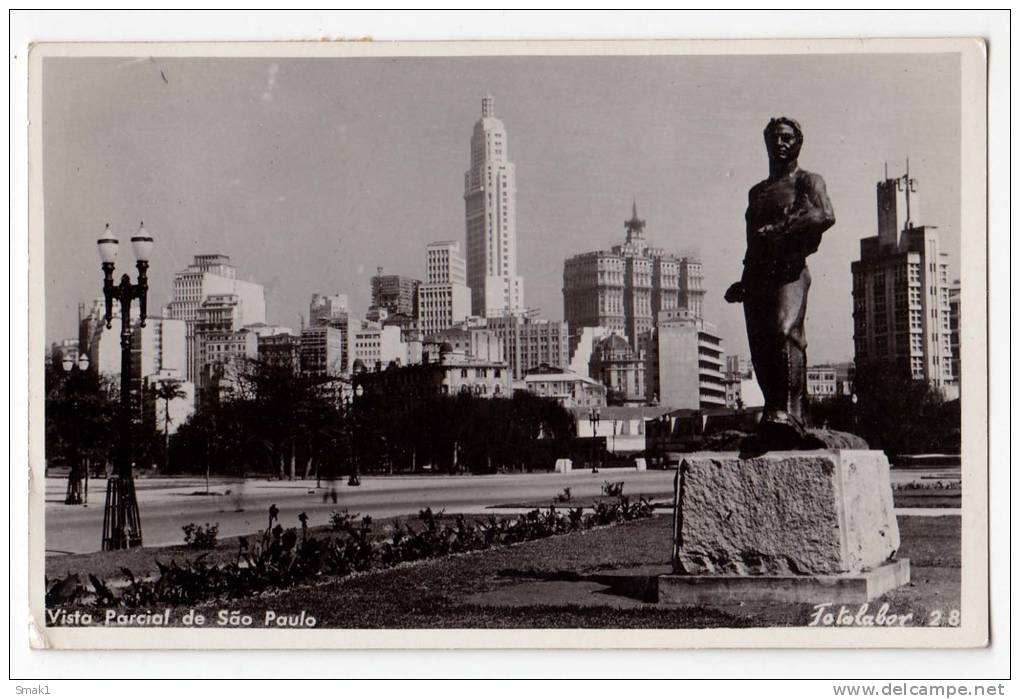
point(117, 26)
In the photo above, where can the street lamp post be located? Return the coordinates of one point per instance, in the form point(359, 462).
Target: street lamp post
point(76, 495)
point(664, 434)
point(122, 524)
point(593, 419)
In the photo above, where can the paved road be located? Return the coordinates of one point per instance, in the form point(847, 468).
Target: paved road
point(168, 503)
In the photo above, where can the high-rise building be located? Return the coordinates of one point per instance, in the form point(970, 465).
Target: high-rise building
point(530, 342)
point(396, 293)
point(206, 276)
point(623, 289)
point(321, 350)
point(490, 210)
point(159, 347)
point(444, 299)
point(685, 362)
point(281, 349)
point(954, 328)
point(692, 286)
point(218, 317)
point(222, 352)
point(901, 291)
point(333, 311)
point(323, 308)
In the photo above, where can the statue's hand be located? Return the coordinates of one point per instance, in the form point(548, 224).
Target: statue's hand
point(736, 293)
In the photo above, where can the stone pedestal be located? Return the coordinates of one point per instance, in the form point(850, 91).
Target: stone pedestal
point(640, 464)
point(794, 521)
point(563, 466)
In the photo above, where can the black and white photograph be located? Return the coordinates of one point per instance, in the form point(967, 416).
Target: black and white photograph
point(502, 344)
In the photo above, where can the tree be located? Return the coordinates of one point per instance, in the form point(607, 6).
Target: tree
point(901, 415)
point(80, 416)
point(167, 390)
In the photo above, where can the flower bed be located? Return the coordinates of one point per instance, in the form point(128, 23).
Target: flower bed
point(283, 558)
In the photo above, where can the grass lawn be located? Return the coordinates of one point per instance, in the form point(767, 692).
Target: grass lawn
point(442, 593)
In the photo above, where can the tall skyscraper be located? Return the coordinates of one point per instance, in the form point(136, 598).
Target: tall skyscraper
point(490, 210)
point(443, 299)
point(211, 275)
point(624, 289)
point(901, 291)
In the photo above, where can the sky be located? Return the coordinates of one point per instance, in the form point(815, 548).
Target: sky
point(310, 173)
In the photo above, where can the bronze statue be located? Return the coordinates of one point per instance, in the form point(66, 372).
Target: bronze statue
point(786, 216)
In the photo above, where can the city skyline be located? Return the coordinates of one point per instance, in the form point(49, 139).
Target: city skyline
point(588, 144)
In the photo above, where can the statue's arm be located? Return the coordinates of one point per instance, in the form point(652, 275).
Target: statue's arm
point(736, 293)
point(811, 216)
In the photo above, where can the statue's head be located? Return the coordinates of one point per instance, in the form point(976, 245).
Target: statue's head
point(783, 139)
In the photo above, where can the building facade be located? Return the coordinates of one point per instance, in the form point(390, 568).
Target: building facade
point(901, 292)
point(490, 211)
point(324, 308)
point(821, 382)
point(685, 362)
point(954, 330)
point(530, 342)
point(282, 350)
point(211, 275)
point(222, 353)
point(322, 350)
point(377, 347)
point(444, 298)
point(477, 342)
point(621, 369)
point(623, 289)
point(451, 373)
point(159, 347)
point(565, 387)
point(396, 300)
point(742, 390)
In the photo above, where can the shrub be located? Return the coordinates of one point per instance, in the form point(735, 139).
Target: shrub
point(342, 521)
point(200, 537)
point(564, 496)
point(613, 490)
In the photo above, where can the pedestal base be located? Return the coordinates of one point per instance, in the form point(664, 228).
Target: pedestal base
point(798, 513)
point(696, 590)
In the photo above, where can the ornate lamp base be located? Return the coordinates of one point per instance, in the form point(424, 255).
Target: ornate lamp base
point(122, 525)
